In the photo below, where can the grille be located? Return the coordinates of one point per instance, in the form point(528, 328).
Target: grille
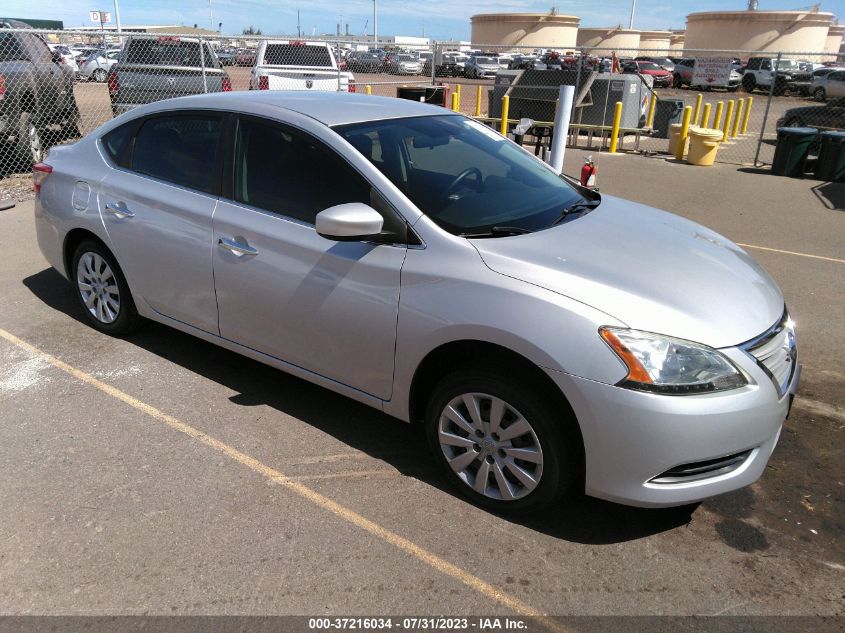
point(776, 353)
point(702, 470)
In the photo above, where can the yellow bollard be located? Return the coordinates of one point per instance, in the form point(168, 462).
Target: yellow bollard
point(649, 122)
point(478, 101)
point(458, 89)
point(728, 116)
point(705, 115)
point(368, 89)
point(748, 102)
point(455, 101)
point(697, 112)
point(614, 133)
point(717, 117)
point(682, 142)
point(737, 118)
point(506, 104)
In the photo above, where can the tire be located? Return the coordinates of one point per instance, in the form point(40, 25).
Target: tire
point(107, 307)
point(547, 435)
point(99, 75)
point(749, 82)
point(30, 145)
point(819, 94)
point(677, 81)
point(780, 88)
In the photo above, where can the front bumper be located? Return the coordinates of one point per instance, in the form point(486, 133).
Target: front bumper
point(632, 437)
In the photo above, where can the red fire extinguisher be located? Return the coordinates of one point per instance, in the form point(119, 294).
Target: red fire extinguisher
point(588, 173)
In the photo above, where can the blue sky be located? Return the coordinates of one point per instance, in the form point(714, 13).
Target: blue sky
point(440, 19)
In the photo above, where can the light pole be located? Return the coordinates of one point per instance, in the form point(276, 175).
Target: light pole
point(117, 19)
point(633, 10)
point(375, 23)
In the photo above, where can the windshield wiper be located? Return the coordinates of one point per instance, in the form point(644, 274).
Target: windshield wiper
point(498, 231)
point(578, 207)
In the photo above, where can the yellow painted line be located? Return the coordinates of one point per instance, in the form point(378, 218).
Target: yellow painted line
point(777, 250)
point(349, 474)
point(432, 560)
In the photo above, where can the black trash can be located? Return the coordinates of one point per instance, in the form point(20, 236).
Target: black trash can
point(831, 163)
point(427, 94)
point(792, 149)
point(666, 112)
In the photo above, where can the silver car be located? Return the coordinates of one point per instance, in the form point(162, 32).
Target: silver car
point(549, 339)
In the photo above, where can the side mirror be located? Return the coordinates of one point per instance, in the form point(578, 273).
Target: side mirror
point(351, 222)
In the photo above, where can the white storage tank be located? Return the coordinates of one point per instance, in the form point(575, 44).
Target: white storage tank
point(546, 30)
point(615, 38)
point(659, 41)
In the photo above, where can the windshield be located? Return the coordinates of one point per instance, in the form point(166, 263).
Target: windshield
point(786, 64)
point(485, 60)
point(462, 174)
point(407, 58)
point(648, 66)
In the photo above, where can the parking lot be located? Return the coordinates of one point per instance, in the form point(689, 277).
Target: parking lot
point(162, 475)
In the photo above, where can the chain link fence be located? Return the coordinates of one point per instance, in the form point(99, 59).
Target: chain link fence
point(58, 85)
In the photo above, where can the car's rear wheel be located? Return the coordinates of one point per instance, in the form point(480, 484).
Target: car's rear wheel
point(99, 75)
point(102, 290)
point(819, 94)
point(500, 442)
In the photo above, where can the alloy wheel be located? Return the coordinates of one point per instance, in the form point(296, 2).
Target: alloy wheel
point(36, 146)
point(490, 446)
point(98, 287)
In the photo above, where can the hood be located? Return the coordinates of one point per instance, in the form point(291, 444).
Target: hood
point(650, 269)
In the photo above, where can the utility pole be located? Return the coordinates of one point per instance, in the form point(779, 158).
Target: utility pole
point(633, 11)
point(298, 26)
point(117, 19)
point(210, 16)
point(375, 23)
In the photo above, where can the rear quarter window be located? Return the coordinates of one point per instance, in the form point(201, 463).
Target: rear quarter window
point(116, 142)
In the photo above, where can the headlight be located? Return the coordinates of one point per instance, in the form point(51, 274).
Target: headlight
point(662, 364)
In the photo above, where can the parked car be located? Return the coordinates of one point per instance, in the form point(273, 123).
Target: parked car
point(245, 57)
point(97, 65)
point(448, 67)
point(226, 56)
point(66, 54)
point(525, 62)
point(663, 62)
point(830, 116)
point(154, 68)
point(662, 78)
point(298, 65)
point(829, 82)
point(37, 95)
point(404, 64)
point(411, 258)
point(760, 71)
point(683, 72)
point(364, 62)
point(481, 67)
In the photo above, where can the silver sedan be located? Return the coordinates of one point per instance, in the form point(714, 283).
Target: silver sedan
point(549, 339)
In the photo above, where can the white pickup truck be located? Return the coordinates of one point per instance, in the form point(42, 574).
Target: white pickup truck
point(299, 65)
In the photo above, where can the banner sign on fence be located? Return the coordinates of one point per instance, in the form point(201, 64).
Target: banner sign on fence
point(712, 71)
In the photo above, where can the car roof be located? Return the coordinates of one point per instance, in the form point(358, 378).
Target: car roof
point(329, 108)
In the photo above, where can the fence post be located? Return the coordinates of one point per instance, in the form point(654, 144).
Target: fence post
point(651, 106)
point(737, 117)
point(506, 104)
point(202, 63)
point(614, 132)
point(682, 141)
point(717, 116)
point(705, 115)
point(748, 102)
point(434, 49)
point(577, 81)
point(766, 113)
point(697, 112)
point(478, 100)
point(726, 129)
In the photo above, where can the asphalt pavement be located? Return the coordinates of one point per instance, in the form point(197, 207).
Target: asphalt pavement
point(159, 474)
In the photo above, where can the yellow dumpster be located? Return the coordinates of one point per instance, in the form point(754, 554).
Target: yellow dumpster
point(674, 138)
point(704, 144)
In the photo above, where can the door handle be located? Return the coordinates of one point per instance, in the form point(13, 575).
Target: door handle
point(237, 248)
point(119, 210)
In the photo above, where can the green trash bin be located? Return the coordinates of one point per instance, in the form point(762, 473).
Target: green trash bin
point(792, 149)
point(831, 163)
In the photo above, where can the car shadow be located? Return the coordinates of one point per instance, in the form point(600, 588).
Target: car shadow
point(579, 519)
point(831, 195)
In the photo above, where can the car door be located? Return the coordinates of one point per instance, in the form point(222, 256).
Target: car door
point(327, 307)
point(157, 206)
point(836, 84)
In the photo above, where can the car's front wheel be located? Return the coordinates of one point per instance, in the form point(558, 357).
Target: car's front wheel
point(749, 82)
point(819, 94)
point(99, 75)
point(102, 290)
point(501, 442)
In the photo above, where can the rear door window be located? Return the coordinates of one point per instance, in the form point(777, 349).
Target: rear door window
point(180, 149)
